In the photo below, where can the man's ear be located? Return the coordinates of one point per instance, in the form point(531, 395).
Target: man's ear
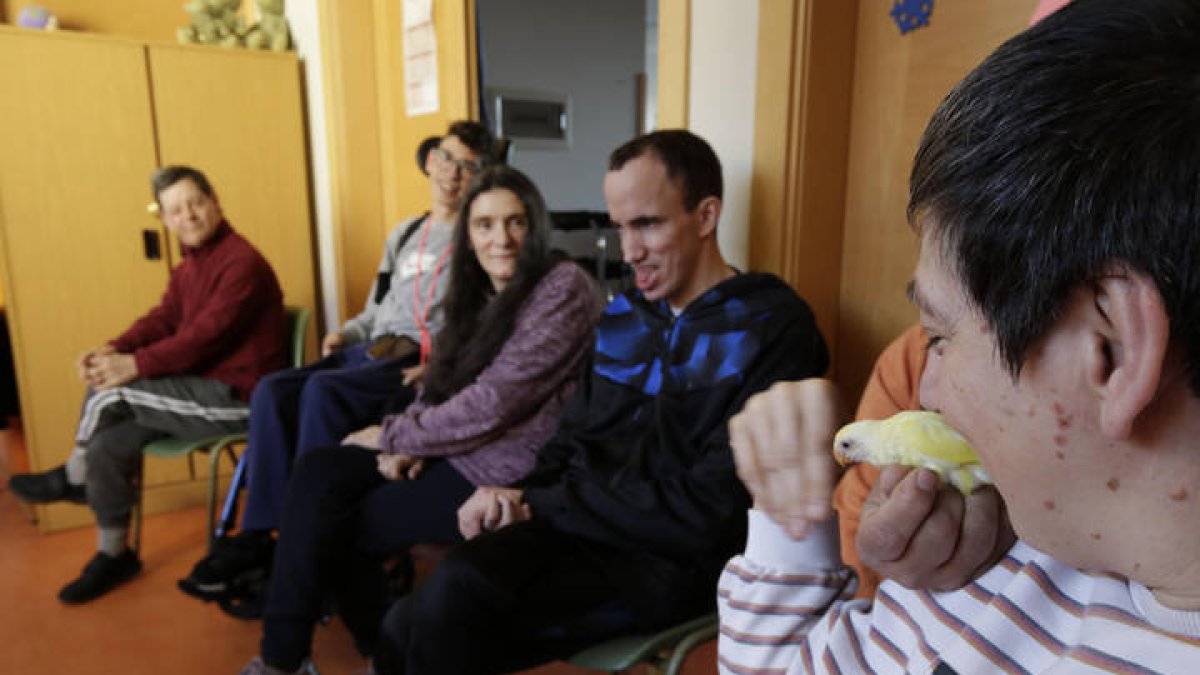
point(709, 210)
point(1129, 354)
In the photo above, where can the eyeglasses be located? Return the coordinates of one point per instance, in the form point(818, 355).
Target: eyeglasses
point(470, 167)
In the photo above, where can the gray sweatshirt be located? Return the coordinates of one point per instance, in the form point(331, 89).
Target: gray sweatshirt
point(394, 314)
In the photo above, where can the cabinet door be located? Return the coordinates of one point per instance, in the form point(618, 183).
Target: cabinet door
point(77, 151)
point(239, 116)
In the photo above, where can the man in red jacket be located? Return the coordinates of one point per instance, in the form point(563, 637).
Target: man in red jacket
point(185, 370)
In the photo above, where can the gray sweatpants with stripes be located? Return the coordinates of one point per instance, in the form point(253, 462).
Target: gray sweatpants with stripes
point(116, 423)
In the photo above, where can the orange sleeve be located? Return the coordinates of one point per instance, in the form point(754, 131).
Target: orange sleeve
point(894, 386)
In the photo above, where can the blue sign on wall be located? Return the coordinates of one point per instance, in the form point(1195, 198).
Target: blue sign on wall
point(911, 14)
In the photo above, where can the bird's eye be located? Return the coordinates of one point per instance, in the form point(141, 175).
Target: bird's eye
point(845, 445)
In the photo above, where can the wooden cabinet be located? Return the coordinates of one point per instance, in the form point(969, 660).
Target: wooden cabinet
point(84, 120)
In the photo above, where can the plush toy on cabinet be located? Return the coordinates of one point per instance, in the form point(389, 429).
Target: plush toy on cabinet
point(271, 31)
point(214, 22)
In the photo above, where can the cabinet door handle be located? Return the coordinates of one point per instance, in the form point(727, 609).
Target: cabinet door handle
point(150, 245)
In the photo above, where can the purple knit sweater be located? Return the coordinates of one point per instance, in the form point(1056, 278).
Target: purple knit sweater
point(492, 429)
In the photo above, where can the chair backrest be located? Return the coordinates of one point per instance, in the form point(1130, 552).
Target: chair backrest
point(297, 319)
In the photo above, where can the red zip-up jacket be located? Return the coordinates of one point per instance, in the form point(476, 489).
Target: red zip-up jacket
point(221, 317)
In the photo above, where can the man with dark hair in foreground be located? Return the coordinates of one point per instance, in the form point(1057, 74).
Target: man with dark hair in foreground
point(1055, 195)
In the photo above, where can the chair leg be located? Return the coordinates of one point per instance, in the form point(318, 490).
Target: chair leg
point(29, 511)
point(135, 515)
point(685, 647)
point(214, 463)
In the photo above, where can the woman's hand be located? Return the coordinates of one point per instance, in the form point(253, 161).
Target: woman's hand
point(399, 467)
point(368, 438)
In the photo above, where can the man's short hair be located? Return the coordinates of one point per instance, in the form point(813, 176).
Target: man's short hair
point(689, 159)
point(475, 136)
point(169, 175)
point(423, 151)
point(1074, 148)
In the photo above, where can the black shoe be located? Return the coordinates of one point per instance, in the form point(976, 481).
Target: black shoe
point(47, 487)
point(231, 558)
point(102, 574)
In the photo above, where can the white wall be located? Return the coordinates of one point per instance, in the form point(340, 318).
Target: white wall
point(302, 15)
point(590, 51)
point(721, 91)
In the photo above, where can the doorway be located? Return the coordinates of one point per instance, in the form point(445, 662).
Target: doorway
point(567, 81)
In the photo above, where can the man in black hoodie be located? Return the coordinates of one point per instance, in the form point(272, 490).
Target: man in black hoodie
point(634, 505)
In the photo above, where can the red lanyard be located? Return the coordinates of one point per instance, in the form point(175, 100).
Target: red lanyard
point(421, 310)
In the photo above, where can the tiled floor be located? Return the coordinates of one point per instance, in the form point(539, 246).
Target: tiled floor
point(146, 626)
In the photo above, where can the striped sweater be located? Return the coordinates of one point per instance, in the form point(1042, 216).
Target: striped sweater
point(786, 608)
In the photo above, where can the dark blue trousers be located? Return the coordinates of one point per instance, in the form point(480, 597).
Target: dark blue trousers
point(341, 516)
point(292, 411)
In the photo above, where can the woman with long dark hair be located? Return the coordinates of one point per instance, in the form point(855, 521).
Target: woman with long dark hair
point(517, 332)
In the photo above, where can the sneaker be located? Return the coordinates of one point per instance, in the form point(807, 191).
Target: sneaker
point(258, 667)
point(46, 487)
point(231, 557)
point(102, 574)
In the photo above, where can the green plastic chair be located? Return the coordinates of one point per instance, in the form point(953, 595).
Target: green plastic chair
point(665, 650)
point(215, 446)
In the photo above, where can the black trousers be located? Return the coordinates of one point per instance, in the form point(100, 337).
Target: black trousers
point(340, 518)
point(525, 595)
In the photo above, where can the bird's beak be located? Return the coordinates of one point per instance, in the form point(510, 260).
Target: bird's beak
point(839, 448)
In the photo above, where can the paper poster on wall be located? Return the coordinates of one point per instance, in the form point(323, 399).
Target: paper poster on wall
point(417, 12)
point(420, 58)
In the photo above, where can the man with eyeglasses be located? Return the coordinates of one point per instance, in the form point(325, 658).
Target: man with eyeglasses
point(368, 367)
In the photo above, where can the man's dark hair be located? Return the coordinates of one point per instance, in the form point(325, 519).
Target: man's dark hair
point(423, 151)
point(1071, 150)
point(169, 175)
point(478, 321)
point(689, 159)
point(475, 136)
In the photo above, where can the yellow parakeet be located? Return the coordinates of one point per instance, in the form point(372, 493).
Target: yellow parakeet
point(913, 438)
